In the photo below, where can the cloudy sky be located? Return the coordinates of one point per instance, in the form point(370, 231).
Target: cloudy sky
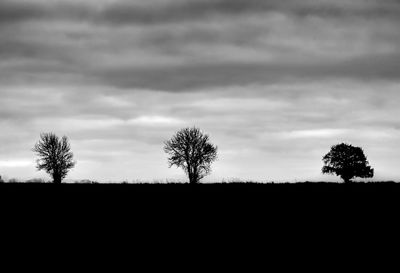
point(274, 83)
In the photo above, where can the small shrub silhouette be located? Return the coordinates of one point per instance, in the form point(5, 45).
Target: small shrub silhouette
point(348, 162)
point(191, 150)
point(55, 156)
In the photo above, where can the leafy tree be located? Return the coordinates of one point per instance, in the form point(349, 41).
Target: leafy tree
point(55, 156)
point(348, 162)
point(191, 150)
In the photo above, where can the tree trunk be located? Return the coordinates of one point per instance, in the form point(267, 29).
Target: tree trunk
point(347, 180)
point(193, 177)
point(57, 179)
point(192, 174)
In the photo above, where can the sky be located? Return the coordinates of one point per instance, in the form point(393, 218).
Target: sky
point(273, 83)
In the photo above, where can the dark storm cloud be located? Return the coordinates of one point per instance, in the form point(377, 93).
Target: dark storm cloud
point(153, 12)
point(191, 77)
point(15, 12)
point(122, 13)
point(179, 57)
point(20, 11)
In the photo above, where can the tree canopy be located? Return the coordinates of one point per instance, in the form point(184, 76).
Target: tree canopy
point(191, 150)
point(55, 156)
point(348, 162)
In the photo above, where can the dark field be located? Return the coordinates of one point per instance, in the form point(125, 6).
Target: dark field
point(204, 207)
point(203, 187)
point(254, 192)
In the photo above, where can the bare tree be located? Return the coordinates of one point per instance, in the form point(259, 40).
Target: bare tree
point(191, 150)
point(348, 162)
point(55, 156)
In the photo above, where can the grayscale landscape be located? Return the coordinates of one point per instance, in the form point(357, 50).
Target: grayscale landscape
point(200, 92)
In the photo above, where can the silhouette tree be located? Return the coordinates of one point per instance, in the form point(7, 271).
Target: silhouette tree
point(191, 150)
point(348, 162)
point(55, 156)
